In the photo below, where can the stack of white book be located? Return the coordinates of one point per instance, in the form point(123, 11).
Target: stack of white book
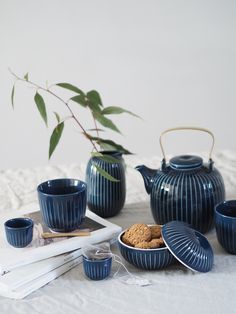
point(27, 269)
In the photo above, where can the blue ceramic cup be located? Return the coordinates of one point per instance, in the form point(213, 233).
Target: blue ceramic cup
point(62, 203)
point(225, 224)
point(97, 269)
point(19, 231)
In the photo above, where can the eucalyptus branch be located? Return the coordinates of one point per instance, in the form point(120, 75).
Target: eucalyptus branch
point(90, 100)
point(47, 90)
point(95, 123)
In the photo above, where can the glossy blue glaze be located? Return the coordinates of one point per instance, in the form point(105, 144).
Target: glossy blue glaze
point(225, 223)
point(104, 197)
point(62, 203)
point(152, 259)
point(188, 246)
point(19, 231)
point(185, 190)
point(97, 269)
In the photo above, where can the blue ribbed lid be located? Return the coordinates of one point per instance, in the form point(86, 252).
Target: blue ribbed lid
point(188, 246)
point(186, 162)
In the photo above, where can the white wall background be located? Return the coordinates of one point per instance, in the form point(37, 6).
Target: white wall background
point(173, 62)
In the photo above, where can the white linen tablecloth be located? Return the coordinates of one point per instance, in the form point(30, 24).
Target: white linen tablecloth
point(173, 290)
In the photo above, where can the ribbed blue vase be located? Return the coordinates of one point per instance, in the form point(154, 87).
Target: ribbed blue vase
point(104, 197)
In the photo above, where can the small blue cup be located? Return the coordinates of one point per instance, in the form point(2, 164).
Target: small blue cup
point(19, 231)
point(97, 269)
point(63, 203)
point(225, 224)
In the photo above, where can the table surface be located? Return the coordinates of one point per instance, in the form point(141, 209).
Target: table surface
point(173, 290)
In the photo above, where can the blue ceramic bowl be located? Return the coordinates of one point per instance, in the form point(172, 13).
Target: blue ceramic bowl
point(62, 203)
point(152, 259)
point(97, 269)
point(225, 224)
point(19, 231)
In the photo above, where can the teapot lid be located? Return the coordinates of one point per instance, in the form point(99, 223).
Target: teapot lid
point(188, 246)
point(186, 162)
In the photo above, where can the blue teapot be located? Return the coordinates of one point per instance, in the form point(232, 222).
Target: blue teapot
point(186, 189)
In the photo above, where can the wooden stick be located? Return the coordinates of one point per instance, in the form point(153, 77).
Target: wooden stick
point(47, 235)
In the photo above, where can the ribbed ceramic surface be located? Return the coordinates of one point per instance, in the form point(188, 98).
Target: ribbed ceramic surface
point(187, 195)
point(225, 223)
point(63, 212)
point(104, 197)
point(19, 232)
point(153, 259)
point(189, 246)
point(97, 269)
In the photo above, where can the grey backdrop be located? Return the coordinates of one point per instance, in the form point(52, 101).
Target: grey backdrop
point(172, 62)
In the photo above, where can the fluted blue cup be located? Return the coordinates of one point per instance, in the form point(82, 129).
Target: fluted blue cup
point(97, 269)
point(225, 224)
point(19, 231)
point(62, 203)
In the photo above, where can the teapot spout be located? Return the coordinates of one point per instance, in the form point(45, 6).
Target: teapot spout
point(148, 176)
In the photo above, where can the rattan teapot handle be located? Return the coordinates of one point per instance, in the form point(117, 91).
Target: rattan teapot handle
point(186, 128)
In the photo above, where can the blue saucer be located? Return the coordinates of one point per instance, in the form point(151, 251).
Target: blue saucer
point(188, 246)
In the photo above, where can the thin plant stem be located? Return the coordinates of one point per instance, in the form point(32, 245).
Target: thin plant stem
point(64, 102)
point(96, 126)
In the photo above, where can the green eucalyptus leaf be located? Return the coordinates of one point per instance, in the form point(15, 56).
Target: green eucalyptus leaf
point(105, 122)
point(96, 130)
point(107, 158)
point(55, 137)
point(26, 77)
point(71, 88)
point(57, 116)
point(105, 143)
point(41, 107)
point(94, 108)
point(12, 96)
point(106, 146)
point(105, 174)
point(94, 101)
point(80, 99)
point(94, 98)
point(117, 110)
point(96, 154)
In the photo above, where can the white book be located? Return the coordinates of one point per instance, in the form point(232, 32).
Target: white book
point(20, 276)
point(24, 274)
point(39, 249)
point(24, 290)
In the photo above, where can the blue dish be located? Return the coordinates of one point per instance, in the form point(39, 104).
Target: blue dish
point(148, 259)
point(19, 231)
point(225, 223)
point(188, 246)
point(97, 269)
point(62, 203)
